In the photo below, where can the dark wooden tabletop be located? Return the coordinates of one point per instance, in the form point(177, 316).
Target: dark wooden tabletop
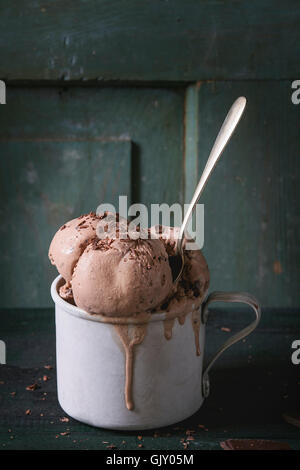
point(252, 385)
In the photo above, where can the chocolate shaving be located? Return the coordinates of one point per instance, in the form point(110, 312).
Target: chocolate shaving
point(32, 387)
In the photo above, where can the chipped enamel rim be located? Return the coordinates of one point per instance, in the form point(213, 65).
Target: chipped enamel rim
point(78, 312)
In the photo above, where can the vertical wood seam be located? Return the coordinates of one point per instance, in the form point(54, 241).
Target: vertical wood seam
point(191, 138)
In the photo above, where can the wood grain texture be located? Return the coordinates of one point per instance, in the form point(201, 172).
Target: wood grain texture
point(50, 140)
point(252, 384)
point(152, 118)
point(149, 40)
point(252, 239)
point(43, 185)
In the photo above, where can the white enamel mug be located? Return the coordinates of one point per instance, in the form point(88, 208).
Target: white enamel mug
point(169, 383)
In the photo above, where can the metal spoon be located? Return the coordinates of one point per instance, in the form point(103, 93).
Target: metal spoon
point(226, 131)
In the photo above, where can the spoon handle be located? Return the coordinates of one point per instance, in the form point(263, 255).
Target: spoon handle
point(226, 131)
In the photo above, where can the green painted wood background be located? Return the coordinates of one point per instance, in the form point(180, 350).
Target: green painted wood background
point(43, 184)
point(64, 152)
point(149, 83)
point(109, 97)
point(149, 39)
point(252, 218)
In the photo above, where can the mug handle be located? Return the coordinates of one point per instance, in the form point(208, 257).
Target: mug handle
point(241, 297)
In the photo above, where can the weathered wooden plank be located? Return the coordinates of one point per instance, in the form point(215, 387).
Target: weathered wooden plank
point(42, 185)
point(252, 239)
point(152, 118)
point(41, 125)
point(149, 40)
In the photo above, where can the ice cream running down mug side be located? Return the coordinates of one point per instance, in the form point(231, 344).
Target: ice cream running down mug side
point(148, 358)
point(121, 278)
point(168, 384)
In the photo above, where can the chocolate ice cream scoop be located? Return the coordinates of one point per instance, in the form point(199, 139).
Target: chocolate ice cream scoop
point(110, 275)
point(122, 277)
point(70, 241)
point(195, 275)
